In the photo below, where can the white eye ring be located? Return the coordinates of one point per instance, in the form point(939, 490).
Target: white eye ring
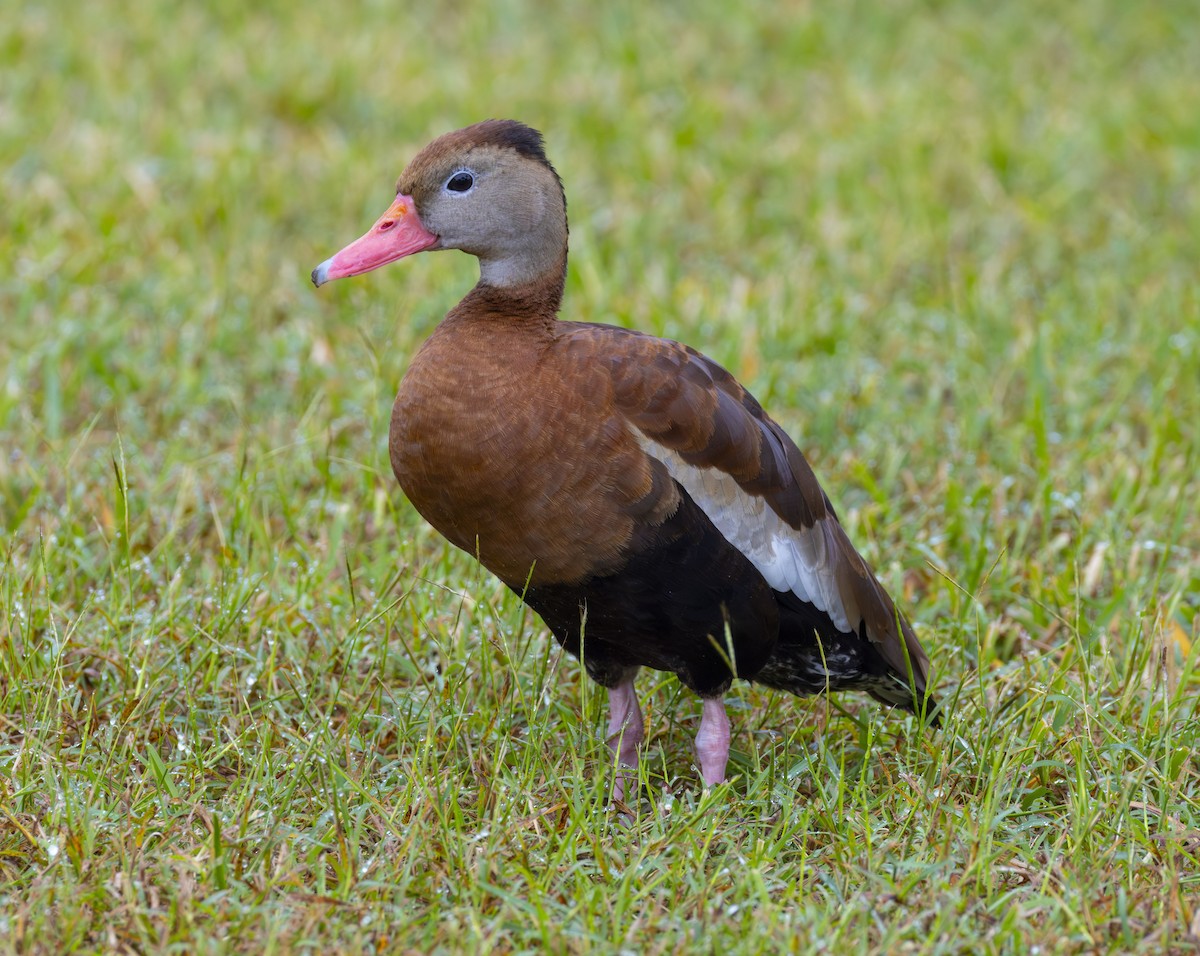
point(461, 182)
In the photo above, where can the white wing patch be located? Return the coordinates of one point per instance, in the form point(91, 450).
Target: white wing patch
point(800, 561)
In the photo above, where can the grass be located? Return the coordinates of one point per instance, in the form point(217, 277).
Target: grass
point(250, 703)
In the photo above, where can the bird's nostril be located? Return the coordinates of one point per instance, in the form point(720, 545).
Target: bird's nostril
point(386, 225)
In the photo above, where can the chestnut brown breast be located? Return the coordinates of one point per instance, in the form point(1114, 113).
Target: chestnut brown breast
point(516, 454)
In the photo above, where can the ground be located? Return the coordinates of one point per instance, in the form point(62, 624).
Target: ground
point(250, 703)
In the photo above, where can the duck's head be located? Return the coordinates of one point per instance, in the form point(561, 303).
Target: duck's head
point(488, 190)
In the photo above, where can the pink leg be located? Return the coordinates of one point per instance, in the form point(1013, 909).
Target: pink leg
point(625, 731)
point(712, 742)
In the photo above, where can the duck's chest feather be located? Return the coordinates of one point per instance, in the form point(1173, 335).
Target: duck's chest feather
point(514, 452)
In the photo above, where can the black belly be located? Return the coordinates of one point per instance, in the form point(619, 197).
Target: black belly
point(686, 601)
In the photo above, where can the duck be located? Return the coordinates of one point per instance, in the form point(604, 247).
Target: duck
point(626, 487)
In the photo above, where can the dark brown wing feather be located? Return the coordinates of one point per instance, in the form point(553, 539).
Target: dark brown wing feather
point(685, 403)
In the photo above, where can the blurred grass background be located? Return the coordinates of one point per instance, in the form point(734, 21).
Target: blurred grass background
point(248, 702)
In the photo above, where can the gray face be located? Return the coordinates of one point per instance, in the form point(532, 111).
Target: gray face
point(495, 204)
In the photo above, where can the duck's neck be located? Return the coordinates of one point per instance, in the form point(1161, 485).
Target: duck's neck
point(522, 270)
point(496, 295)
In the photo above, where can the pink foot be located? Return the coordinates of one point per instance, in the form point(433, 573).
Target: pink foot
point(625, 733)
point(712, 742)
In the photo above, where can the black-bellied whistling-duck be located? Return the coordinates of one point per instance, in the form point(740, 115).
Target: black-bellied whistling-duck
point(625, 486)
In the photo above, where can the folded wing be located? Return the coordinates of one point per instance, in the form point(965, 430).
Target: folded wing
point(755, 485)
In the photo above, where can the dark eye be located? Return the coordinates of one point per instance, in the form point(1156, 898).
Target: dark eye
point(460, 182)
